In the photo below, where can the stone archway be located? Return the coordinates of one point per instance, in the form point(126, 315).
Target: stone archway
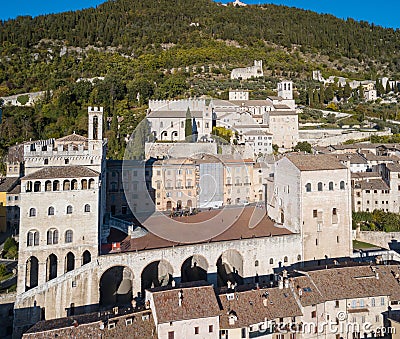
point(230, 268)
point(32, 273)
point(51, 267)
point(116, 287)
point(158, 273)
point(194, 268)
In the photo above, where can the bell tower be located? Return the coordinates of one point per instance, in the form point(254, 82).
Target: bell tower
point(285, 90)
point(95, 128)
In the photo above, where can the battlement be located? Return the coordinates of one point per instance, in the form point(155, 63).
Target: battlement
point(177, 105)
point(95, 109)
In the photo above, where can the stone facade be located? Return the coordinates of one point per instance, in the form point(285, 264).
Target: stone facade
point(255, 71)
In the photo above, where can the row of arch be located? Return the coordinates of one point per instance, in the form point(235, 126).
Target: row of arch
point(51, 210)
point(56, 185)
point(33, 270)
point(116, 282)
point(33, 237)
point(320, 186)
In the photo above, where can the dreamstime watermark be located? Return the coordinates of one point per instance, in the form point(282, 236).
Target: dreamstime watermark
point(340, 325)
point(177, 183)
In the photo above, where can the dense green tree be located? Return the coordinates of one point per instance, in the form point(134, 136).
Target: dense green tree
point(303, 146)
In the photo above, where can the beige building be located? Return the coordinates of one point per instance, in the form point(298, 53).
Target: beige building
point(61, 202)
point(311, 194)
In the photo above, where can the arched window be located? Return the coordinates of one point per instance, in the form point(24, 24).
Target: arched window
point(69, 262)
point(308, 187)
point(51, 267)
point(50, 211)
point(37, 186)
point(256, 263)
point(87, 208)
point(330, 185)
point(68, 236)
point(285, 259)
point(86, 257)
point(91, 183)
point(66, 185)
point(271, 261)
point(69, 209)
point(56, 185)
point(47, 186)
point(32, 212)
point(74, 184)
point(52, 236)
point(84, 184)
point(33, 238)
point(320, 186)
point(29, 186)
point(342, 185)
point(299, 257)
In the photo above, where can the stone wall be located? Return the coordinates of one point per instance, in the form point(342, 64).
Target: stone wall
point(388, 240)
point(175, 150)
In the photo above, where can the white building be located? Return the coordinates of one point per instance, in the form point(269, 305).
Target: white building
point(311, 194)
point(255, 71)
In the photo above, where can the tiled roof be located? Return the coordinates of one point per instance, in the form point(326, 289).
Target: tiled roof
point(357, 282)
point(255, 306)
point(251, 103)
point(196, 302)
point(62, 172)
point(95, 326)
point(393, 167)
point(73, 137)
point(373, 184)
point(306, 291)
point(281, 106)
point(8, 183)
point(315, 162)
point(354, 158)
point(362, 175)
point(174, 114)
point(239, 229)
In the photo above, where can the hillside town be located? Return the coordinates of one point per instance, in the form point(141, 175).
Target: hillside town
point(269, 209)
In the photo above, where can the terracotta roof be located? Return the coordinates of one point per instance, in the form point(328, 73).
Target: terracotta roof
point(357, 282)
point(251, 103)
point(196, 302)
point(8, 183)
point(174, 114)
point(255, 306)
point(373, 184)
point(73, 137)
point(282, 106)
point(315, 162)
point(239, 229)
point(362, 175)
point(88, 326)
point(354, 158)
point(306, 291)
point(281, 112)
point(62, 172)
point(393, 167)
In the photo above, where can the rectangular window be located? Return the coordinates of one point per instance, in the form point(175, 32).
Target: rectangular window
point(313, 314)
point(244, 333)
point(171, 335)
point(334, 211)
point(337, 303)
point(367, 191)
point(196, 330)
point(383, 301)
point(315, 213)
point(210, 328)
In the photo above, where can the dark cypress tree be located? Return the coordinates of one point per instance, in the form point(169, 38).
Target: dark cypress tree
point(188, 124)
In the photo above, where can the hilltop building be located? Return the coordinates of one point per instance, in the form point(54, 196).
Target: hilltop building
point(255, 71)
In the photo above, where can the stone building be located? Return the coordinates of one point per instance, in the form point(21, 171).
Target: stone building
point(255, 71)
point(311, 194)
point(62, 202)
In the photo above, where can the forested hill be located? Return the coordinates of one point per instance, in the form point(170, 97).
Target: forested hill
point(135, 25)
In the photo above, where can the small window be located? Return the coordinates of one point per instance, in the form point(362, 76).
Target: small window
point(256, 263)
point(383, 301)
point(32, 212)
point(69, 209)
point(285, 259)
point(353, 304)
point(331, 186)
point(313, 314)
point(210, 328)
point(315, 213)
point(171, 335)
point(342, 185)
point(196, 330)
point(46, 161)
point(68, 236)
point(87, 208)
point(334, 211)
point(373, 302)
point(320, 186)
point(337, 303)
point(316, 242)
point(66, 161)
point(308, 187)
point(51, 210)
point(271, 261)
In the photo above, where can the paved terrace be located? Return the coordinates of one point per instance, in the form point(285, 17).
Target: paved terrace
point(207, 226)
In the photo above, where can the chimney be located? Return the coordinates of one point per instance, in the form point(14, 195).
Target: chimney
point(377, 275)
point(173, 283)
point(286, 283)
point(180, 297)
point(280, 284)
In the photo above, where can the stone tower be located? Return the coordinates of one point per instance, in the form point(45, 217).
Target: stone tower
point(285, 89)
